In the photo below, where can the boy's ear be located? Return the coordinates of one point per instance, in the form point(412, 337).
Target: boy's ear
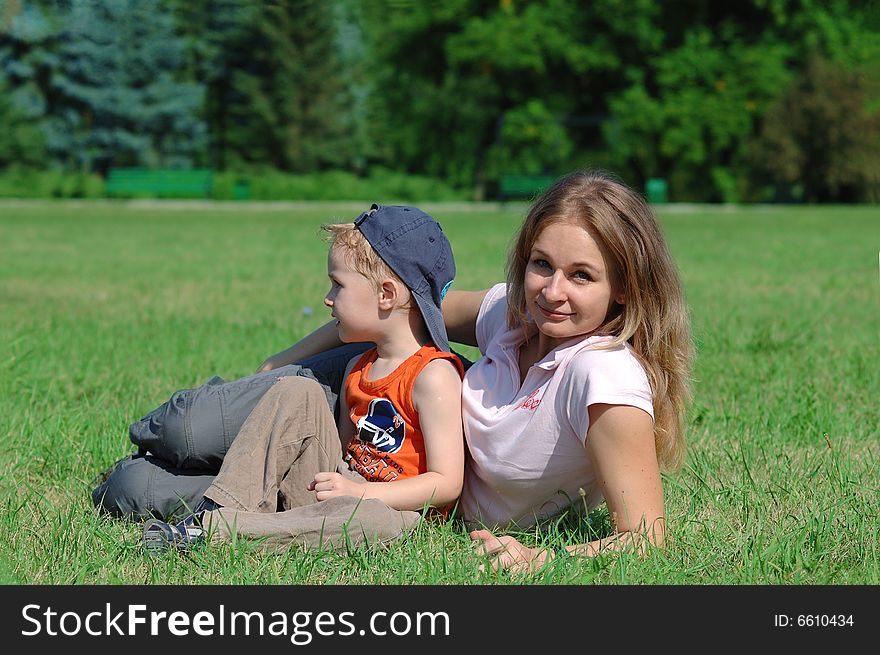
point(389, 293)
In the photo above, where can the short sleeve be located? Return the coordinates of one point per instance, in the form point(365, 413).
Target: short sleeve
point(610, 377)
point(492, 317)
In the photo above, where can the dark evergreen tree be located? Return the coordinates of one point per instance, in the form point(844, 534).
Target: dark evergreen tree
point(277, 92)
point(294, 115)
point(21, 140)
point(120, 101)
point(104, 79)
point(215, 34)
point(27, 41)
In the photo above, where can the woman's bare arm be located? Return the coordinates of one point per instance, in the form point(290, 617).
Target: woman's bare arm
point(460, 309)
point(621, 444)
point(324, 338)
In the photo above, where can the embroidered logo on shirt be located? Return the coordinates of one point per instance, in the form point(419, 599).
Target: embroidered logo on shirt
point(382, 426)
point(532, 401)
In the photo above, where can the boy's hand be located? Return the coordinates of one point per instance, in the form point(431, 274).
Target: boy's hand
point(330, 485)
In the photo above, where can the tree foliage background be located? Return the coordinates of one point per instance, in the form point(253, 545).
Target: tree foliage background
point(753, 100)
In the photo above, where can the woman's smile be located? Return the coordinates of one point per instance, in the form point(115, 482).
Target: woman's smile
point(553, 314)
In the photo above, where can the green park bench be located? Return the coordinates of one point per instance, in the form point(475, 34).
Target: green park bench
point(160, 183)
point(656, 191)
point(522, 186)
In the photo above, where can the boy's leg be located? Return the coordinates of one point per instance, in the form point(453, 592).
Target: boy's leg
point(144, 486)
point(337, 523)
point(195, 427)
point(288, 437)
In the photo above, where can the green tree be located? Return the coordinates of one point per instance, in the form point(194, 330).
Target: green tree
point(448, 74)
point(27, 38)
point(21, 141)
point(691, 112)
point(119, 97)
point(102, 80)
point(821, 138)
point(278, 96)
point(690, 119)
point(531, 140)
point(679, 89)
point(215, 39)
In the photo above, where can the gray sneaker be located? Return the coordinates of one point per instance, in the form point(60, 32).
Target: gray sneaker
point(159, 536)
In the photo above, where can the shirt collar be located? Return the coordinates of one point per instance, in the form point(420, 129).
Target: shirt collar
point(561, 353)
point(567, 349)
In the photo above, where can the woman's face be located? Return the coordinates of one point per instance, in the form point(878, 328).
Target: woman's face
point(568, 284)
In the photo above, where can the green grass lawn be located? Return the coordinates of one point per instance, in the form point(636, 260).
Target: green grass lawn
point(108, 309)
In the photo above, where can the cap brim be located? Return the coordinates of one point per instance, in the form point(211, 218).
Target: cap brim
point(433, 321)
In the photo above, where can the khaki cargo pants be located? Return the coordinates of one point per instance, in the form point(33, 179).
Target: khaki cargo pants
point(263, 483)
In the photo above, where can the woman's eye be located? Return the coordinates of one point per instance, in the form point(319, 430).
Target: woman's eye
point(582, 275)
point(541, 263)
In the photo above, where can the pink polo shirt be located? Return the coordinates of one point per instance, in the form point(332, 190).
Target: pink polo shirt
point(527, 459)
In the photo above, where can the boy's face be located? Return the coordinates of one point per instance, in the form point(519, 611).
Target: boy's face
point(352, 299)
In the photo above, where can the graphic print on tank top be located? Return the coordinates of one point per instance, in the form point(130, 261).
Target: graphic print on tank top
point(382, 426)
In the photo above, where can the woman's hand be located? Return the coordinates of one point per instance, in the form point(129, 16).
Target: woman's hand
point(330, 485)
point(275, 361)
point(507, 553)
point(320, 340)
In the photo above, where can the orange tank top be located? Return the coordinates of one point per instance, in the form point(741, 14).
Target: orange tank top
point(388, 443)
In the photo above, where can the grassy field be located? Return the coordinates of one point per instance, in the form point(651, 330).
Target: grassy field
point(107, 309)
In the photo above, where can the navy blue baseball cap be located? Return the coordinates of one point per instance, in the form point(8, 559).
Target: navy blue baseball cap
point(413, 245)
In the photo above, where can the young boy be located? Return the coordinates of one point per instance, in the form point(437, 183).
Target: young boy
point(400, 416)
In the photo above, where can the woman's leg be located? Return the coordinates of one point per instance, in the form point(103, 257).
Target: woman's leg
point(195, 427)
point(182, 442)
point(144, 486)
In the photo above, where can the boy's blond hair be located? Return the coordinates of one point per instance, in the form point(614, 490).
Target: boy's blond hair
point(359, 253)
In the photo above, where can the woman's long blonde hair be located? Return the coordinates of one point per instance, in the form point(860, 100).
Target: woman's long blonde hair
point(654, 319)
